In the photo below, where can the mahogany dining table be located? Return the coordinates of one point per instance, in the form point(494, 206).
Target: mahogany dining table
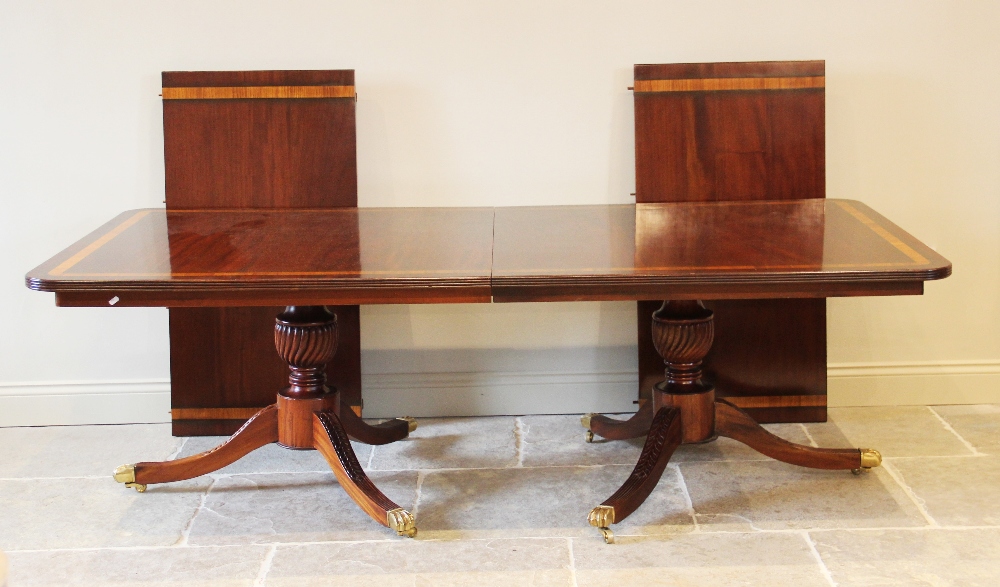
point(307, 260)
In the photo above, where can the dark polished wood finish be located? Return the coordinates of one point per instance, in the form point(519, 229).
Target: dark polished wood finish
point(304, 417)
point(724, 250)
point(682, 335)
point(382, 433)
point(718, 145)
point(260, 153)
point(734, 423)
point(232, 152)
point(333, 443)
point(246, 258)
point(260, 430)
point(635, 426)
point(223, 365)
point(664, 437)
point(711, 143)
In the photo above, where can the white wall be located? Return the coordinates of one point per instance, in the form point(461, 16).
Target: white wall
point(495, 104)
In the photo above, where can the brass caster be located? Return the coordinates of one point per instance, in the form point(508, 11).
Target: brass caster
point(609, 536)
point(126, 474)
point(870, 458)
point(601, 517)
point(589, 437)
point(402, 522)
point(411, 423)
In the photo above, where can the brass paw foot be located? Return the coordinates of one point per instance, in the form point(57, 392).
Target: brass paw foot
point(126, 474)
point(402, 522)
point(411, 423)
point(869, 458)
point(601, 517)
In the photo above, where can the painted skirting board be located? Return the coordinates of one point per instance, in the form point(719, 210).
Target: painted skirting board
point(463, 394)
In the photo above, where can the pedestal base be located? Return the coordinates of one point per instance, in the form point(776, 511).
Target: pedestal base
point(684, 410)
point(306, 415)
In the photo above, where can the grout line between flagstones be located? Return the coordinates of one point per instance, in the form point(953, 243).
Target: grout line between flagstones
point(186, 532)
point(265, 566)
point(819, 559)
point(949, 428)
point(687, 496)
point(809, 436)
point(917, 501)
point(572, 562)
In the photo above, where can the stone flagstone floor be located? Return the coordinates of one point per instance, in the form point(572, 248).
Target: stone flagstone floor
point(504, 501)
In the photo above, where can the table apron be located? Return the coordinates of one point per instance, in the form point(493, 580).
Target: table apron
point(273, 297)
point(743, 291)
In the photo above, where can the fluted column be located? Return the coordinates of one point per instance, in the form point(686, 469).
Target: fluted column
point(306, 338)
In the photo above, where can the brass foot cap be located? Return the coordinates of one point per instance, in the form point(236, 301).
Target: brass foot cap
point(411, 423)
point(402, 522)
point(870, 458)
point(125, 474)
point(602, 516)
point(585, 420)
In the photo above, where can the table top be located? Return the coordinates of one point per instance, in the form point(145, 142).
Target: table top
point(803, 248)
point(706, 250)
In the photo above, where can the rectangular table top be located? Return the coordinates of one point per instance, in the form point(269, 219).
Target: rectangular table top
point(804, 248)
point(706, 250)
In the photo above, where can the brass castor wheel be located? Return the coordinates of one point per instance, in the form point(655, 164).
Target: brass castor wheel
point(609, 536)
point(869, 458)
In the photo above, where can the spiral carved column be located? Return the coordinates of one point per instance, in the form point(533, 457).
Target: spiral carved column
point(306, 338)
point(682, 333)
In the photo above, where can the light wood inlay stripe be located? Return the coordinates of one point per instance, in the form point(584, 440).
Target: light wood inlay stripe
point(779, 401)
point(68, 263)
point(214, 413)
point(241, 92)
point(225, 413)
point(722, 84)
point(882, 232)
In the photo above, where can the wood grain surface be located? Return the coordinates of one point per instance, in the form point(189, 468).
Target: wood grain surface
point(221, 153)
point(726, 140)
point(663, 439)
point(734, 423)
point(298, 257)
point(723, 250)
point(689, 250)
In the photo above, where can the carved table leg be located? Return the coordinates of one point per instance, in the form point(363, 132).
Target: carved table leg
point(259, 430)
point(663, 439)
point(332, 442)
point(734, 423)
point(611, 429)
point(384, 433)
